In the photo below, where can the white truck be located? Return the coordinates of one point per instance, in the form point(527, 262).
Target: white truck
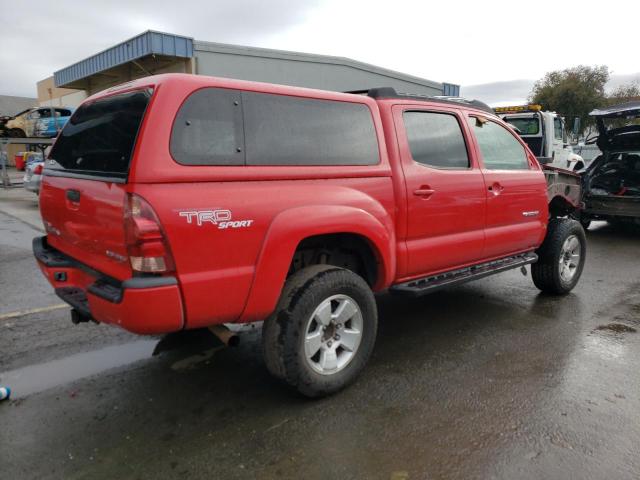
point(545, 133)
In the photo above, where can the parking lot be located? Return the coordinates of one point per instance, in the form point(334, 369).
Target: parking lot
point(487, 380)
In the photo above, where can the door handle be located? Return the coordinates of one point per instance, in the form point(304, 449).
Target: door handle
point(496, 188)
point(73, 195)
point(424, 191)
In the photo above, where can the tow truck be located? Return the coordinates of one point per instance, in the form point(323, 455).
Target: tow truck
point(545, 133)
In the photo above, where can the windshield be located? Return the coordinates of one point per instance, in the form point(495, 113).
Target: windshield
point(526, 125)
point(99, 138)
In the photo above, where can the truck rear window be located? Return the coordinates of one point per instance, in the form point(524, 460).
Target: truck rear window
point(99, 138)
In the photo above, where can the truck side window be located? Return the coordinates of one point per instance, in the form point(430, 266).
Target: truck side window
point(208, 129)
point(436, 140)
point(286, 130)
point(557, 128)
point(500, 150)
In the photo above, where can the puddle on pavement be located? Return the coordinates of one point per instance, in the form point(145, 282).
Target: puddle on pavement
point(616, 328)
point(37, 378)
point(196, 347)
point(606, 346)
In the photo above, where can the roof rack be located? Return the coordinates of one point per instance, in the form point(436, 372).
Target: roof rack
point(390, 92)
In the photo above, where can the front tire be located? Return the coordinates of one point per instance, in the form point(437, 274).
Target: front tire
point(561, 257)
point(323, 330)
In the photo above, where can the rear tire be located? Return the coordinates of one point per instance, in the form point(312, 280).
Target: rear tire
point(560, 257)
point(323, 331)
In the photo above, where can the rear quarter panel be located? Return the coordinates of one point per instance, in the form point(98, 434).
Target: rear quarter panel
point(217, 267)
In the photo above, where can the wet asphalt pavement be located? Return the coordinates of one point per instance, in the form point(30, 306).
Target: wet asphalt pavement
point(486, 380)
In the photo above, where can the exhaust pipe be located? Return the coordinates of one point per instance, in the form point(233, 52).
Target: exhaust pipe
point(226, 336)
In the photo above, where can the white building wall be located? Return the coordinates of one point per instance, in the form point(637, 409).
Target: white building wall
point(70, 100)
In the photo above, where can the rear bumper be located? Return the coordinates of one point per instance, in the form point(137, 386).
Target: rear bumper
point(145, 305)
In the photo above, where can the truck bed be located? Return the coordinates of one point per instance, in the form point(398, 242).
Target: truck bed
point(563, 183)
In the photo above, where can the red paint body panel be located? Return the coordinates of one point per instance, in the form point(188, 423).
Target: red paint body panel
point(87, 229)
point(507, 228)
point(237, 274)
point(144, 311)
point(446, 229)
point(292, 226)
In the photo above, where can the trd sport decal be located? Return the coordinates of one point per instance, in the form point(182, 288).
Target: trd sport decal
point(221, 218)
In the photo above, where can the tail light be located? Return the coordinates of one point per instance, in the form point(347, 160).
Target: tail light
point(37, 170)
point(146, 243)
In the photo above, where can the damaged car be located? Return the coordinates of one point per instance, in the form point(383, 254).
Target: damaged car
point(43, 122)
point(611, 184)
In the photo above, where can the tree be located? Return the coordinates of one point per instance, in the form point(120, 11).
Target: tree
point(573, 92)
point(625, 93)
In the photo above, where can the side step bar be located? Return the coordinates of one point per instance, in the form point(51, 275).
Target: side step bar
point(430, 284)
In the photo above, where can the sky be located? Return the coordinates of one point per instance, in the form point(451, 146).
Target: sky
point(495, 49)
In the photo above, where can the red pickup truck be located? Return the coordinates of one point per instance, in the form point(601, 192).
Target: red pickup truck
point(180, 202)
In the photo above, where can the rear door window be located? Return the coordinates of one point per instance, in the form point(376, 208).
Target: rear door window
point(436, 140)
point(99, 138)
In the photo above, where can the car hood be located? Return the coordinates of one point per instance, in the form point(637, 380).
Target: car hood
point(616, 126)
point(619, 110)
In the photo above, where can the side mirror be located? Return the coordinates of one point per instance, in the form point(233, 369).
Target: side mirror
point(576, 126)
point(544, 160)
